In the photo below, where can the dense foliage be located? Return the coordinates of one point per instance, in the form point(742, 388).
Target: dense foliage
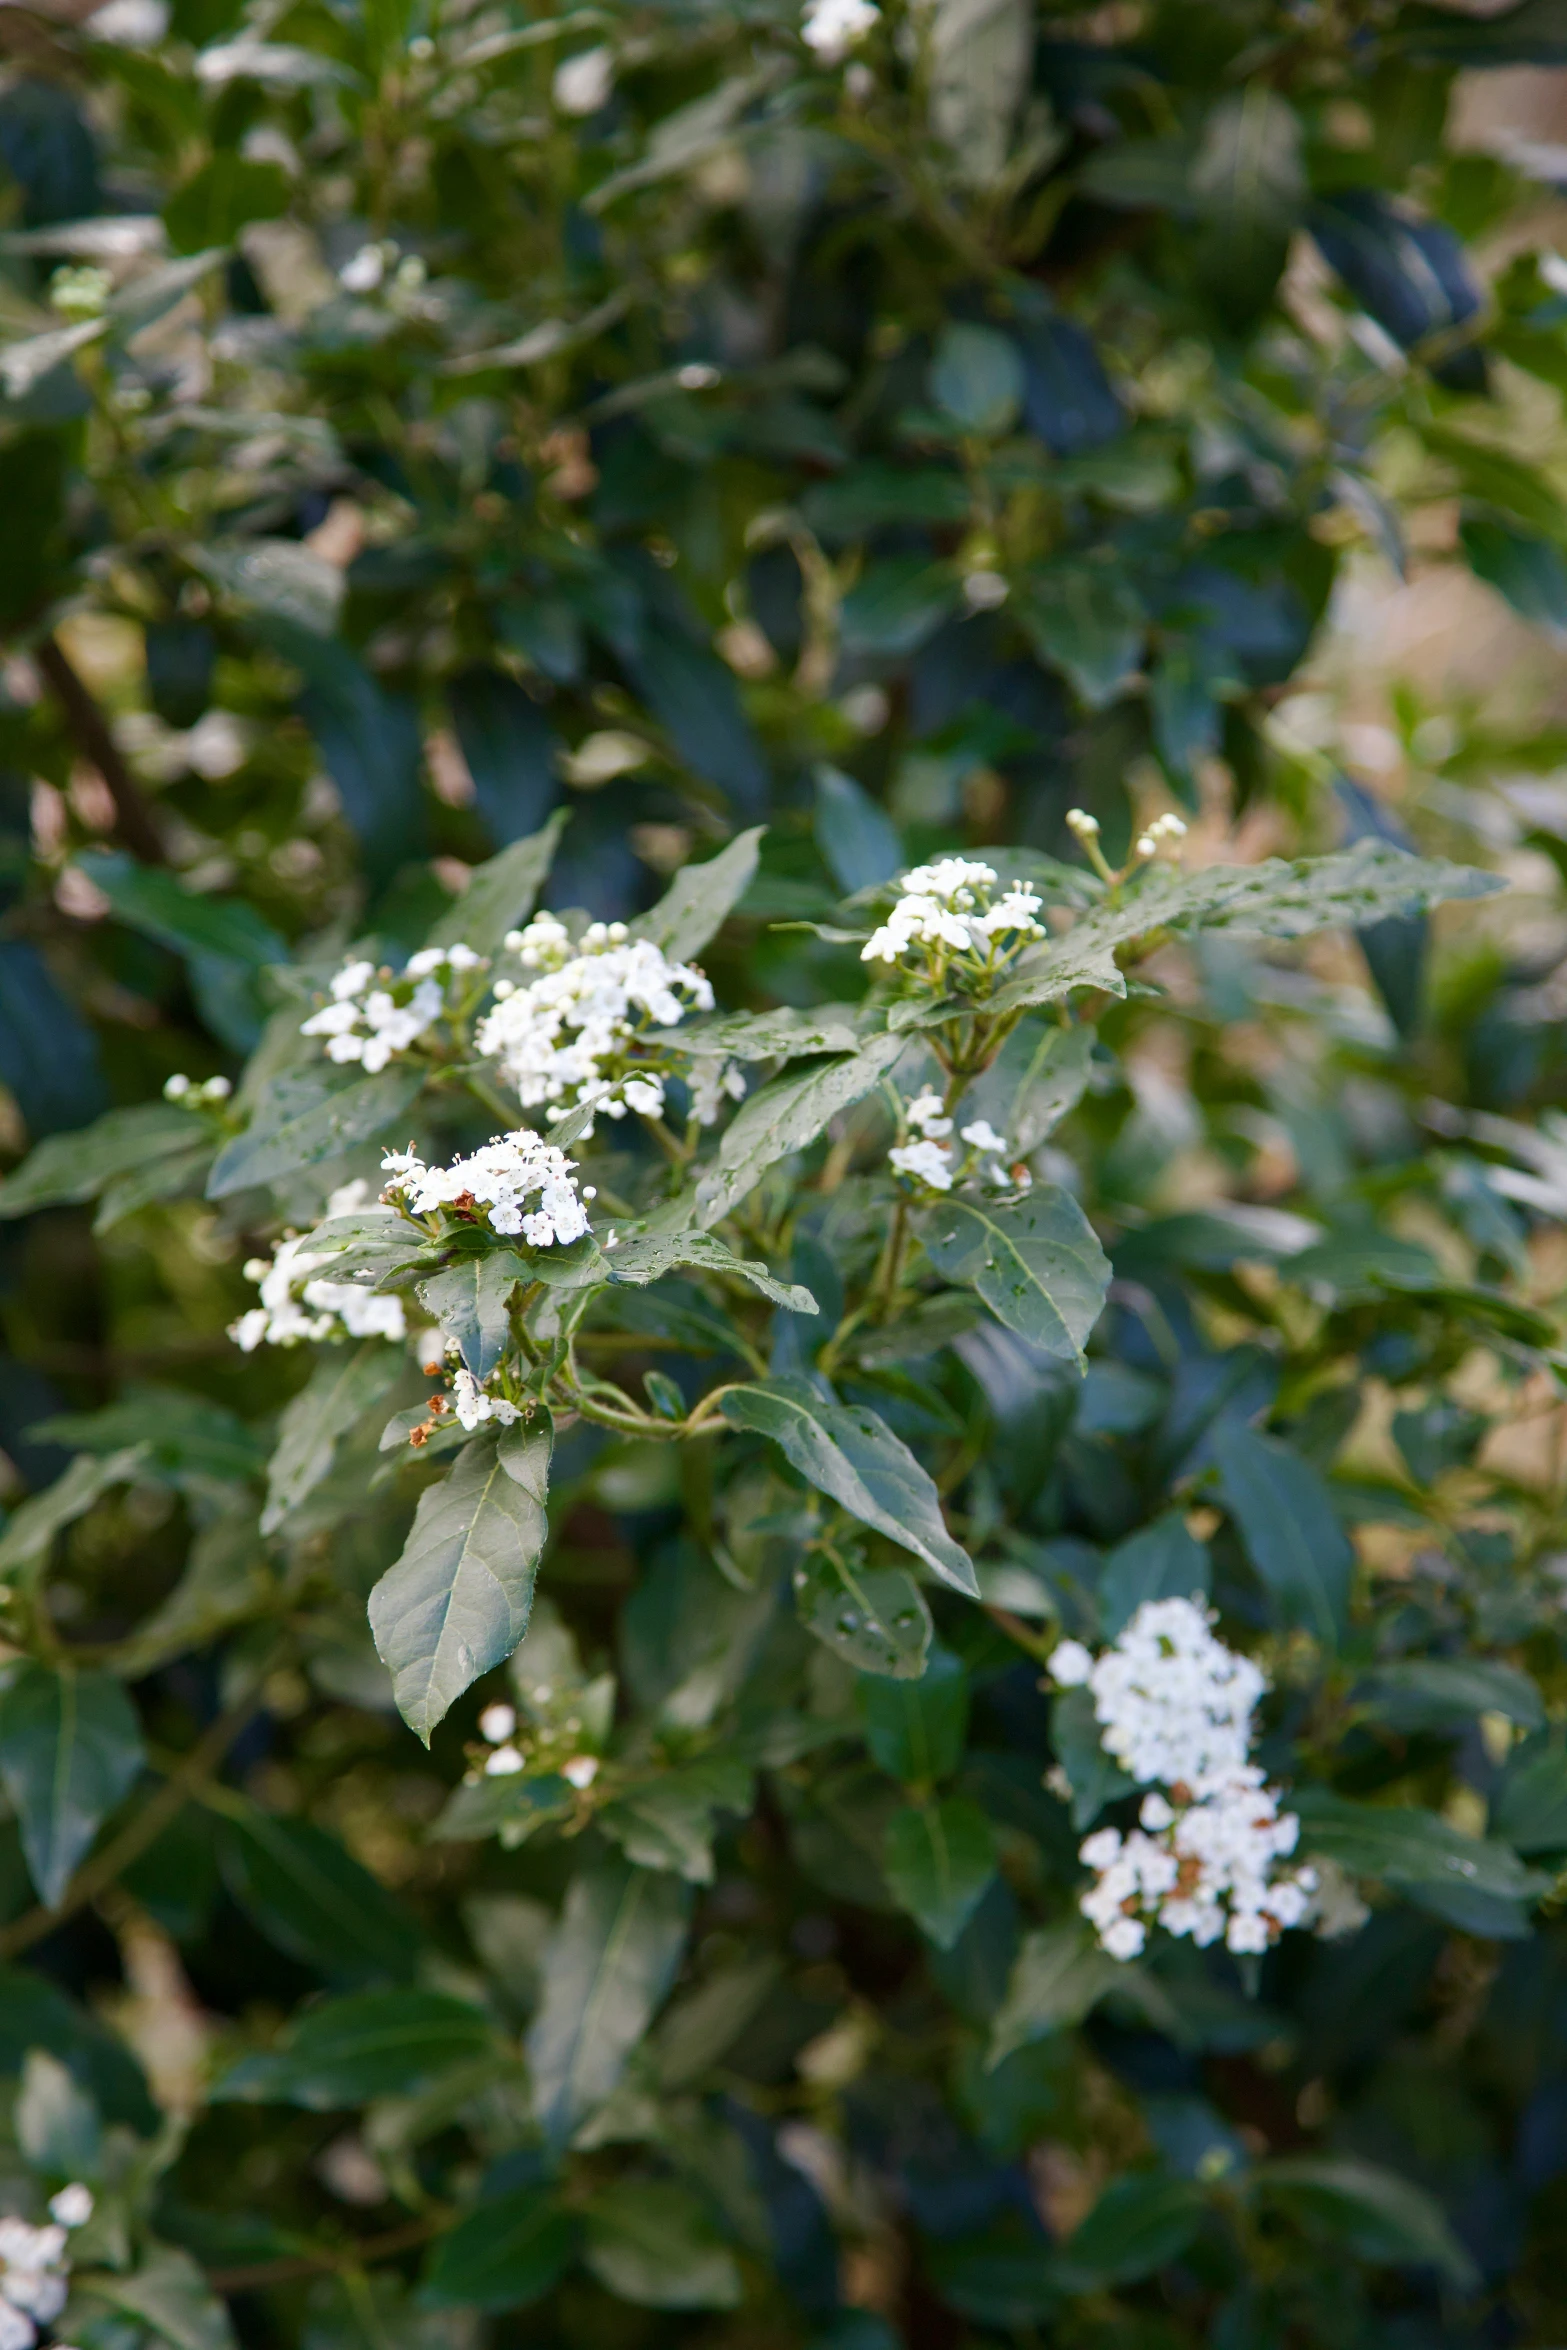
point(712, 1084)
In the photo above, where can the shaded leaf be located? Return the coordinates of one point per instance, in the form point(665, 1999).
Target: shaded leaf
point(1286, 1520)
point(1036, 1262)
point(372, 2044)
point(345, 1384)
point(938, 1861)
point(606, 1970)
point(70, 1747)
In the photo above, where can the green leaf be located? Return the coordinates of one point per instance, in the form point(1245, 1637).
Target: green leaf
point(895, 605)
point(914, 1730)
point(458, 1600)
point(976, 376)
point(318, 1112)
point(182, 1435)
point(29, 1537)
point(1531, 1809)
point(1285, 1518)
point(858, 840)
point(371, 2044)
point(162, 908)
point(874, 1618)
point(1036, 1262)
point(652, 2242)
point(700, 899)
point(1059, 1975)
point(1367, 2210)
point(345, 1385)
point(786, 1115)
point(1039, 1075)
point(1161, 1561)
point(669, 1822)
point(939, 1859)
point(66, 1168)
point(782, 1035)
point(506, 2253)
point(639, 1258)
point(469, 1301)
point(502, 893)
point(1357, 886)
point(312, 1899)
point(607, 1968)
point(1528, 570)
point(1087, 622)
point(70, 1747)
point(1474, 1882)
point(1140, 2223)
point(1445, 1693)
point(850, 1454)
point(169, 2294)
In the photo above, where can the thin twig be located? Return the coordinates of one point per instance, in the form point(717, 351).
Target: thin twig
point(294, 2266)
point(132, 816)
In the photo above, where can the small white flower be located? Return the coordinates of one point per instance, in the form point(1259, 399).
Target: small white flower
point(372, 1017)
point(176, 1088)
point(504, 1763)
point(582, 84)
point(581, 1771)
point(497, 1722)
point(73, 2206)
point(926, 1115)
point(474, 1406)
point(1070, 1664)
point(927, 1162)
point(365, 271)
point(500, 1178)
point(298, 1307)
point(983, 1137)
point(832, 27)
point(1079, 821)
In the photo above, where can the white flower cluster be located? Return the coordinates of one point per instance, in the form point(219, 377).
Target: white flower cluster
point(498, 1728)
point(373, 1014)
point(1175, 1705)
point(569, 1035)
point(1166, 829)
point(473, 1405)
point(931, 1159)
point(34, 2269)
point(297, 1307)
point(948, 906)
point(498, 1180)
point(832, 27)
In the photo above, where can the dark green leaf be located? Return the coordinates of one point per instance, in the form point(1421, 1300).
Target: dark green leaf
point(502, 894)
point(313, 1899)
point(700, 899)
point(458, 1600)
point(653, 2243)
point(1285, 1517)
point(858, 841)
point(345, 1385)
point(874, 1618)
point(70, 1747)
point(607, 1968)
point(939, 1859)
point(373, 2044)
point(506, 2253)
point(1366, 2210)
point(784, 1116)
point(1163, 1561)
point(469, 1301)
point(915, 1730)
point(1139, 2224)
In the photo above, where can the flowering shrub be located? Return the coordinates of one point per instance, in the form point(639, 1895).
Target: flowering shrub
point(781, 1245)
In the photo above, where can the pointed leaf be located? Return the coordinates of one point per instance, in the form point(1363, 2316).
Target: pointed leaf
point(69, 1167)
point(607, 1967)
point(313, 1899)
point(310, 1114)
point(700, 899)
point(648, 1256)
point(939, 1859)
point(1286, 1520)
point(502, 894)
point(344, 1386)
point(851, 1455)
point(1036, 1262)
point(784, 1116)
point(469, 1301)
point(458, 1600)
point(506, 2253)
point(371, 2044)
point(875, 1618)
point(70, 1747)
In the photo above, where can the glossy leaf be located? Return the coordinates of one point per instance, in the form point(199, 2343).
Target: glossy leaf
point(373, 2044)
point(939, 1860)
point(852, 1456)
point(1035, 1261)
point(70, 1747)
point(458, 1600)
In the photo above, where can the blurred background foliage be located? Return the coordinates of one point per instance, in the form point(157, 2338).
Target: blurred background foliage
point(414, 419)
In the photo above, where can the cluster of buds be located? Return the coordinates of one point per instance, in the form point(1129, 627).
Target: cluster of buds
point(195, 1095)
